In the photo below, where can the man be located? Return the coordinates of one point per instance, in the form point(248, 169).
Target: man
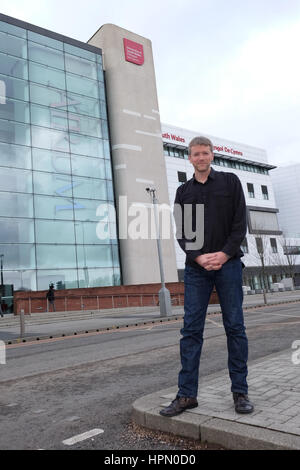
point(51, 297)
point(216, 263)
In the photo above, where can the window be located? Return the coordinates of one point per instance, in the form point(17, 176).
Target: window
point(273, 245)
point(264, 191)
point(244, 246)
point(263, 220)
point(250, 190)
point(181, 176)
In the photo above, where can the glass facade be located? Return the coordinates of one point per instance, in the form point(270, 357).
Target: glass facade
point(55, 165)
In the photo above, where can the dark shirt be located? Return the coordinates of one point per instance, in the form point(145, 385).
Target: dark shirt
point(50, 295)
point(224, 214)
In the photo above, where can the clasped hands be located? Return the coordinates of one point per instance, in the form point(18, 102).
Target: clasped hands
point(212, 261)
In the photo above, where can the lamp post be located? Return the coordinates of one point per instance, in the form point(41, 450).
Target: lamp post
point(164, 293)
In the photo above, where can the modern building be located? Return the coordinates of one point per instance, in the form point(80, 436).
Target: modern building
point(55, 162)
point(80, 142)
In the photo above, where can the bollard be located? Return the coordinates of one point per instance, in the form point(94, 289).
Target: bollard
point(22, 324)
point(2, 353)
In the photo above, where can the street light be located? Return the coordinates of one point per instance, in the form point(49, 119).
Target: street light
point(164, 293)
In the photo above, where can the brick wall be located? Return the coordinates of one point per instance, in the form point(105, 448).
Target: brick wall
point(95, 298)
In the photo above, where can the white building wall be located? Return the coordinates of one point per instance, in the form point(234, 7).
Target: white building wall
point(286, 181)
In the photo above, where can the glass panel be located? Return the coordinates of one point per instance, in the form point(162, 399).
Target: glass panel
point(103, 111)
point(82, 105)
point(115, 252)
point(54, 231)
point(49, 117)
point(16, 180)
point(21, 280)
point(55, 162)
point(85, 209)
point(80, 52)
point(13, 45)
point(82, 85)
point(15, 111)
point(81, 66)
point(9, 28)
point(108, 170)
point(102, 91)
point(15, 156)
point(15, 88)
point(104, 129)
point(62, 279)
point(45, 40)
point(87, 233)
point(13, 66)
point(16, 205)
point(106, 149)
point(18, 256)
point(94, 256)
point(89, 188)
point(96, 277)
point(47, 207)
point(51, 140)
point(14, 132)
point(45, 55)
point(85, 166)
point(261, 220)
point(100, 73)
point(52, 184)
point(48, 96)
point(47, 76)
point(85, 125)
point(83, 145)
point(60, 256)
point(110, 191)
point(113, 233)
point(117, 277)
point(16, 231)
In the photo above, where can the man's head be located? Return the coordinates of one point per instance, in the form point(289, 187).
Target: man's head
point(201, 154)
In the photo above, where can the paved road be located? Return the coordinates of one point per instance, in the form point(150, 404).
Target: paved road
point(57, 389)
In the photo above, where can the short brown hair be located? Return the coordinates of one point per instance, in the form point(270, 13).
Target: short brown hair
point(200, 141)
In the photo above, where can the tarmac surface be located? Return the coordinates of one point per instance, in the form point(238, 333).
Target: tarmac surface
point(274, 380)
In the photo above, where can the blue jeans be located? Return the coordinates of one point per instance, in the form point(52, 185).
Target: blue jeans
point(198, 285)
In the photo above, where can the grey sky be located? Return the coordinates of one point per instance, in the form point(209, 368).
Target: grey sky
point(229, 68)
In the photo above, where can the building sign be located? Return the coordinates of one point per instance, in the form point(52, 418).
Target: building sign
point(217, 148)
point(177, 138)
point(134, 52)
point(227, 150)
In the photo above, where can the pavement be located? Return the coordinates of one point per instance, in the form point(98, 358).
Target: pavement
point(274, 380)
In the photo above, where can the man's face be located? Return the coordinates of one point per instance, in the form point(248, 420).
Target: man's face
point(201, 157)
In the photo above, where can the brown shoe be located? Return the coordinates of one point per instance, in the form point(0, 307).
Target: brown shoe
point(179, 405)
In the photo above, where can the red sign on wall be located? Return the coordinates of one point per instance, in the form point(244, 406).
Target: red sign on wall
point(134, 52)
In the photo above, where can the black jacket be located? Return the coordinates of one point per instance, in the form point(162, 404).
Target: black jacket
point(225, 224)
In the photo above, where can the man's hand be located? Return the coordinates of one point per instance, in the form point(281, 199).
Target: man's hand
point(212, 261)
